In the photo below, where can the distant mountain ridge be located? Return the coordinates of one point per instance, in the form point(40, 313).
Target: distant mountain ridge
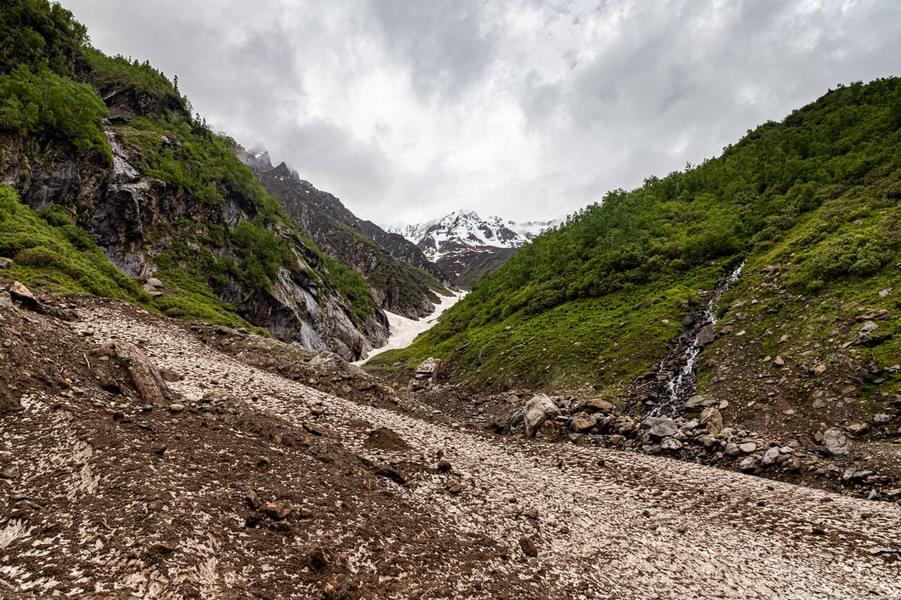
point(400, 277)
point(466, 245)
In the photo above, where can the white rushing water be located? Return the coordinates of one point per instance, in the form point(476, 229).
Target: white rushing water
point(403, 330)
point(676, 385)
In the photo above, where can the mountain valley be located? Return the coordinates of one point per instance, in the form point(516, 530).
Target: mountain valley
point(217, 381)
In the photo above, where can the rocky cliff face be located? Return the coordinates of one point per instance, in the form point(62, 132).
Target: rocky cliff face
point(400, 278)
point(136, 219)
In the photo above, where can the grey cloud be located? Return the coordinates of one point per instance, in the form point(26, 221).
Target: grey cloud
point(525, 108)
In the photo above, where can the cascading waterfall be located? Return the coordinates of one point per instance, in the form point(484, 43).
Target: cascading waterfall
point(680, 382)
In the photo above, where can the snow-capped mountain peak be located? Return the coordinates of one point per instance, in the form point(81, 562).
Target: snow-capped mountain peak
point(463, 228)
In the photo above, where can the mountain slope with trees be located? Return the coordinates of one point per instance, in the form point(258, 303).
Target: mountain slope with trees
point(112, 144)
point(812, 205)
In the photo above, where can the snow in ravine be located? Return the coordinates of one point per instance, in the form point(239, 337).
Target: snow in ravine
point(404, 330)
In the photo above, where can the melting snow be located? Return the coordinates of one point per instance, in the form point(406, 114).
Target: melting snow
point(404, 330)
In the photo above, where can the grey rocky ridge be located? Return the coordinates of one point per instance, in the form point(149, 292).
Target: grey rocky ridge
point(400, 277)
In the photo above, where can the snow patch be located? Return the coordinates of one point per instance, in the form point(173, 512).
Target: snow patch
point(404, 330)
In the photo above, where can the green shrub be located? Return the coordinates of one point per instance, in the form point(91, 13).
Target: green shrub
point(45, 105)
point(38, 33)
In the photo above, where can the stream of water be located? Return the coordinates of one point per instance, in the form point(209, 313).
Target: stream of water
point(681, 382)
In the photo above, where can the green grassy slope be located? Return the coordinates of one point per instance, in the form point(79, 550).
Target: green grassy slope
point(597, 300)
point(51, 88)
point(49, 250)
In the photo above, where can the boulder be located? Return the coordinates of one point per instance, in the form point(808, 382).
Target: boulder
point(713, 419)
point(583, 422)
point(428, 369)
point(699, 401)
point(706, 335)
point(538, 410)
point(747, 447)
point(836, 442)
point(599, 404)
point(770, 456)
point(328, 361)
point(670, 444)
point(5, 263)
point(21, 294)
point(661, 427)
point(748, 463)
point(145, 376)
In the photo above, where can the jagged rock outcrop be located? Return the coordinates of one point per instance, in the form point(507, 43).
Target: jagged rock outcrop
point(136, 218)
point(401, 279)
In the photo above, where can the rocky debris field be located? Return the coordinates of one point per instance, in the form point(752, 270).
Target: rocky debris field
point(140, 459)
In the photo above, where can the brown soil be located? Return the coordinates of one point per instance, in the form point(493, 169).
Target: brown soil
point(255, 485)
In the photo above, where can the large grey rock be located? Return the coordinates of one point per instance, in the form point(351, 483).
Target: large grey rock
point(538, 410)
point(836, 442)
point(661, 427)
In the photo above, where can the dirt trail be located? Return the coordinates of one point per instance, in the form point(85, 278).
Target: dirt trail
point(604, 524)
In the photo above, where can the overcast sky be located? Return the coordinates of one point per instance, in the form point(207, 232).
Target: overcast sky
point(407, 110)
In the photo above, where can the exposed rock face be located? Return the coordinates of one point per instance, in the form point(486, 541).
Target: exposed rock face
point(135, 218)
point(392, 265)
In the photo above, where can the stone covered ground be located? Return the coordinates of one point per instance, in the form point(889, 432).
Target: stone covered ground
point(226, 480)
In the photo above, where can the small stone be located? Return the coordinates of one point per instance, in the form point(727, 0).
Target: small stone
point(5, 263)
point(883, 419)
point(819, 369)
point(599, 404)
point(732, 449)
point(170, 376)
point(778, 361)
point(857, 428)
point(278, 510)
point(583, 422)
point(454, 486)
point(317, 409)
point(770, 456)
point(176, 407)
point(443, 467)
point(528, 547)
point(670, 444)
point(836, 443)
point(748, 463)
point(9, 472)
point(747, 447)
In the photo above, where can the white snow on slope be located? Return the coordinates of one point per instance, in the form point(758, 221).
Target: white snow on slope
point(403, 330)
point(468, 229)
